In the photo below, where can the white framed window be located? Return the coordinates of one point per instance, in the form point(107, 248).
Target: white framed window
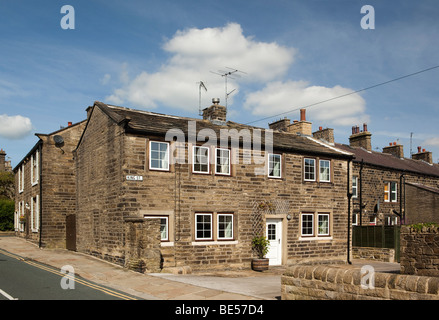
point(21, 178)
point(323, 224)
point(354, 187)
point(35, 214)
point(164, 226)
point(391, 192)
point(203, 226)
point(307, 224)
point(274, 166)
point(222, 161)
point(225, 226)
point(355, 217)
point(309, 169)
point(159, 155)
point(34, 172)
point(200, 163)
point(324, 170)
point(315, 225)
point(21, 216)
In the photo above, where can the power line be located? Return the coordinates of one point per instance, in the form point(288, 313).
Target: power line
point(347, 94)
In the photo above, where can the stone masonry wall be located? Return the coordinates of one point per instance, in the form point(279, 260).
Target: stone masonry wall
point(332, 283)
point(420, 250)
point(107, 155)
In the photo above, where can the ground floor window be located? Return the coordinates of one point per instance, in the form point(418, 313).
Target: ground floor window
point(225, 226)
point(212, 226)
point(203, 226)
point(315, 224)
point(164, 226)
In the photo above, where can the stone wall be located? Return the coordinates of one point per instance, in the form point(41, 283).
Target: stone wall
point(332, 283)
point(142, 244)
point(420, 250)
point(105, 197)
point(377, 254)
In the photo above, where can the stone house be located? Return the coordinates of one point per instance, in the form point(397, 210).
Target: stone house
point(159, 191)
point(388, 188)
point(45, 187)
point(5, 165)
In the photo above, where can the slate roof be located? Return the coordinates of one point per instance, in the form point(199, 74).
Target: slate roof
point(150, 123)
point(389, 161)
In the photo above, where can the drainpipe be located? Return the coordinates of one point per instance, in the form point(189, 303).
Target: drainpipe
point(361, 191)
point(349, 194)
point(402, 217)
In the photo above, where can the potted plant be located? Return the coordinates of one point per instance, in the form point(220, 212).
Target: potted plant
point(260, 244)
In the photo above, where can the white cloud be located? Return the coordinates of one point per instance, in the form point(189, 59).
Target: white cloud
point(432, 142)
point(14, 127)
point(196, 52)
point(279, 97)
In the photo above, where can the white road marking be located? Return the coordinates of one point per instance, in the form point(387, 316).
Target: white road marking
point(7, 295)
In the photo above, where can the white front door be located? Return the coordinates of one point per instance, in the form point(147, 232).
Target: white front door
point(274, 236)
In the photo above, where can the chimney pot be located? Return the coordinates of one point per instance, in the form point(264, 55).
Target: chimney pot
point(302, 114)
point(394, 143)
point(390, 144)
point(69, 123)
point(364, 127)
point(423, 150)
point(419, 149)
point(320, 128)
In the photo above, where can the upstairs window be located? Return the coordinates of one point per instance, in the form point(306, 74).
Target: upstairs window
point(274, 165)
point(354, 186)
point(159, 155)
point(222, 161)
point(200, 160)
point(390, 192)
point(324, 170)
point(310, 169)
point(35, 168)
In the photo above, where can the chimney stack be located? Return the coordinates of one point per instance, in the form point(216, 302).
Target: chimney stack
point(2, 160)
point(426, 156)
point(326, 135)
point(394, 149)
point(215, 111)
point(280, 125)
point(301, 127)
point(361, 139)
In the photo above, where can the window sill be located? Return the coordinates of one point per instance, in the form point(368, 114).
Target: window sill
point(213, 242)
point(321, 238)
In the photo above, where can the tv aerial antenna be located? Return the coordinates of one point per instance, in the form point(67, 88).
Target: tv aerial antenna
point(228, 74)
point(200, 85)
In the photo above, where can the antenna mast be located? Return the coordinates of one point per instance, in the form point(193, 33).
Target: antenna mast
point(227, 74)
point(201, 85)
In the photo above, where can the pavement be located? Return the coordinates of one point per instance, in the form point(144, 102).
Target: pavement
point(215, 285)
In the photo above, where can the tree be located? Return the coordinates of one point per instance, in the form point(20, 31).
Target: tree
point(7, 207)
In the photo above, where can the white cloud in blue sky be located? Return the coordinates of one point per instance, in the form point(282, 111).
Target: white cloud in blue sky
point(151, 55)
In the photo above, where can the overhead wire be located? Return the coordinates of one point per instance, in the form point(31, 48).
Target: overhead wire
point(346, 94)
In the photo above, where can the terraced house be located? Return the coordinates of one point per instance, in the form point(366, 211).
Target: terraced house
point(45, 195)
point(158, 191)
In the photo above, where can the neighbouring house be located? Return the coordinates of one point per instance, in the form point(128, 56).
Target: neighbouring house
point(5, 165)
point(195, 192)
point(45, 185)
point(389, 189)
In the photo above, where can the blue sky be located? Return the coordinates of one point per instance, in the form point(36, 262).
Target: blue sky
point(151, 55)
